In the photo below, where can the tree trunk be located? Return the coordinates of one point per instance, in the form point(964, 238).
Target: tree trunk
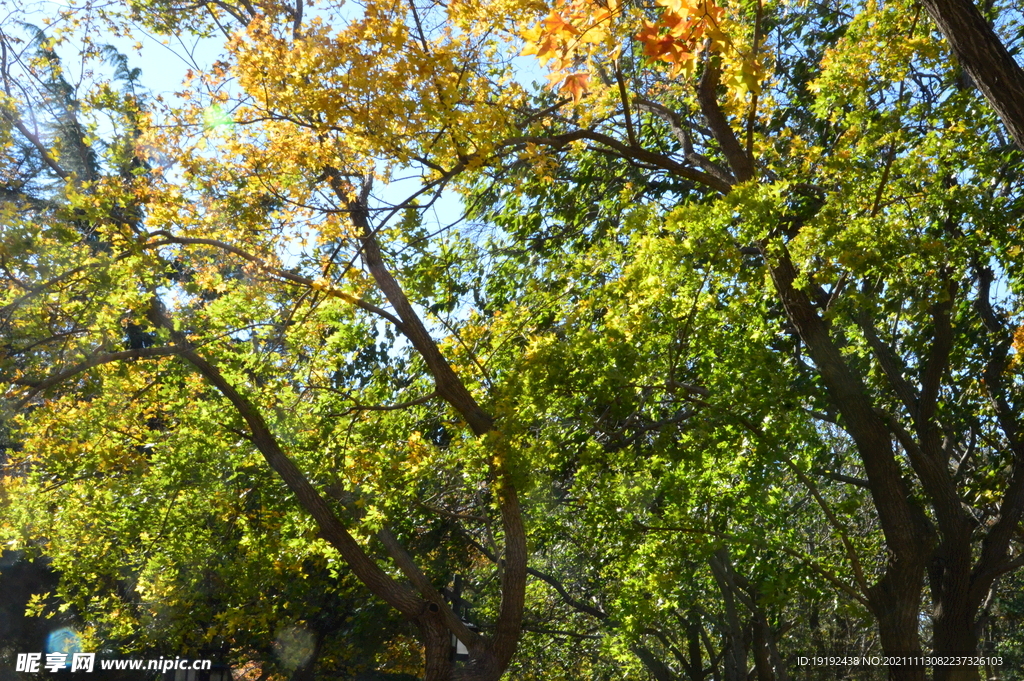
point(762, 660)
point(955, 612)
point(895, 600)
point(437, 645)
point(965, 673)
point(695, 666)
point(736, 643)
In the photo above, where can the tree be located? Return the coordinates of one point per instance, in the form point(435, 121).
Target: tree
point(822, 250)
point(57, 317)
point(800, 270)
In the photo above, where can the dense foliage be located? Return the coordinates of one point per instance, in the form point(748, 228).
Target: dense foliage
point(717, 366)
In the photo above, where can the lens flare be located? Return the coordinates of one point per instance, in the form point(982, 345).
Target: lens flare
point(294, 647)
point(216, 117)
point(64, 640)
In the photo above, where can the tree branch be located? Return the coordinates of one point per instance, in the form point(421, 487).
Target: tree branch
point(657, 160)
point(838, 477)
point(44, 153)
point(996, 543)
point(891, 364)
point(450, 387)
point(413, 573)
point(980, 52)
point(905, 526)
point(569, 600)
point(365, 568)
point(39, 385)
point(707, 96)
point(675, 123)
point(630, 134)
point(844, 535)
point(283, 274)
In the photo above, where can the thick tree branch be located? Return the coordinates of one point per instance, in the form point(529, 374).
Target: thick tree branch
point(657, 160)
point(419, 580)
point(985, 58)
point(935, 366)
point(365, 568)
point(453, 390)
point(892, 365)
point(995, 546)
point(624, 98)
point(707, 96)
point(657, 668)
point(679, 130)
point(934, 475)
point(902, 524)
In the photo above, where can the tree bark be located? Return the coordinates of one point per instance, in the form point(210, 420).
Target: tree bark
point(955, 613)
point(655, 666)
point(984, 57)
point(489, 656)
point(695, 666)
point(762, 661)
point(895, 601)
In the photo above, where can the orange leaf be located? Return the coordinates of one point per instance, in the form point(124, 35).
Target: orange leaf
point(575, 84)
point(557, 26)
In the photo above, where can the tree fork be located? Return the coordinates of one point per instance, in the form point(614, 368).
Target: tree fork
point(427, 614)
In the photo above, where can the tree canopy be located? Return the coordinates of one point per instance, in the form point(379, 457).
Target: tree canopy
point(717, 366)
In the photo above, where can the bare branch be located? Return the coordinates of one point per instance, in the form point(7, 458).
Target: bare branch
point(419, 580)
point(576, 604)
point(624, 97)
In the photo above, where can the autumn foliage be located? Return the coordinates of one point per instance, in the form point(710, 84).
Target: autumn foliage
point(361, 348)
